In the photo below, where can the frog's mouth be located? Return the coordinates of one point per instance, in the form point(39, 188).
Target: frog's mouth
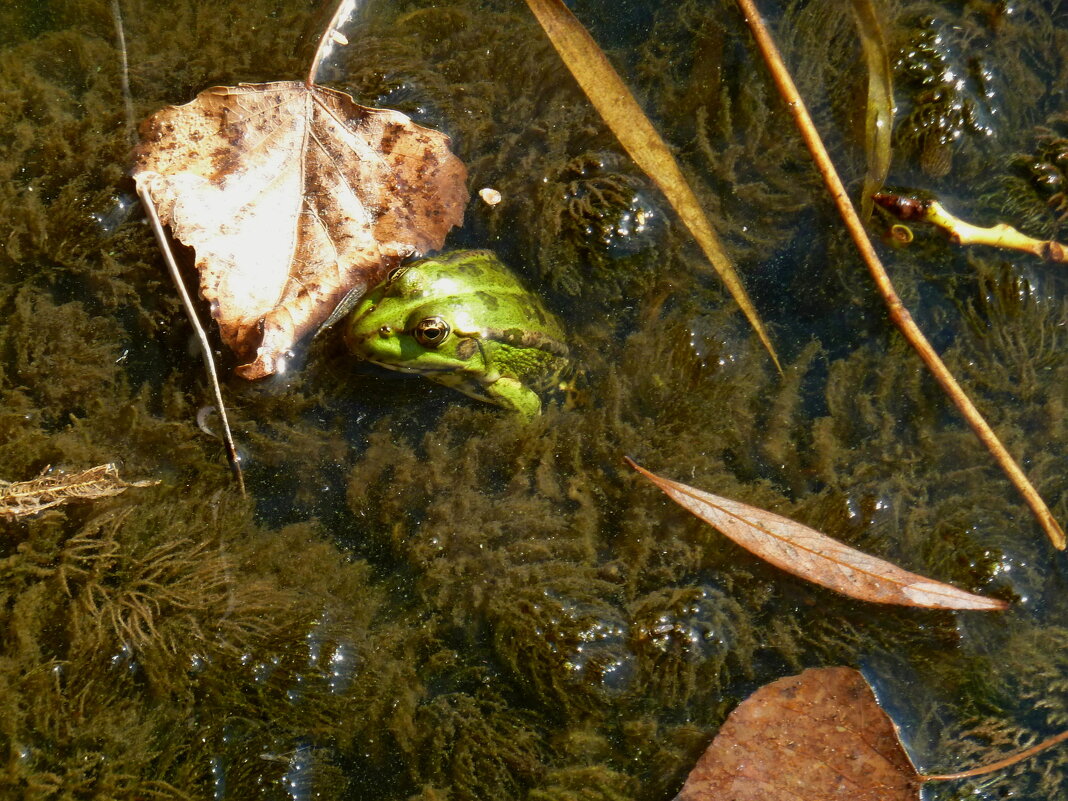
point(407, 368)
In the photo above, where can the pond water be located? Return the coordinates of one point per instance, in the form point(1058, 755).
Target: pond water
point(424, 597)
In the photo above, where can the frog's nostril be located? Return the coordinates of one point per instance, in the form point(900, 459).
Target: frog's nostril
point(385, 331)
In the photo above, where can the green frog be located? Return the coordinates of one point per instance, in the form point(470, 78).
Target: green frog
point(464, 320)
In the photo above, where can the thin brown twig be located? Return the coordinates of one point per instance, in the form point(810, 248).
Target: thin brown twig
point(1001, 763)
point(898, 313)
point(202, 337)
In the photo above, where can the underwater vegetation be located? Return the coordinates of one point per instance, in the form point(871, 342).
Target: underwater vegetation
point(424, 597)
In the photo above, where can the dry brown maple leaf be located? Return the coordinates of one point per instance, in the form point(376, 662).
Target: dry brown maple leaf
point(820, 734)
point(292, 195)
point(814, 556)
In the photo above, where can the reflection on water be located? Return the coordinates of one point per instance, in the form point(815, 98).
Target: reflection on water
point(425, 597)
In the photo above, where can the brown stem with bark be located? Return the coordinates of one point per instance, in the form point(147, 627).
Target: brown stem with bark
point(898, 313)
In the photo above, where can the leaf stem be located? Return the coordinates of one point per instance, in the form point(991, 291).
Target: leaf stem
point(205, 346)
point(1001, 763)
point(329, 38)
point(898, 313)
point(961, 232)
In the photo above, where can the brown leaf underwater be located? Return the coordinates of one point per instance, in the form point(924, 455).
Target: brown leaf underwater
point(815, 557)
point(293, 195)
point(820, 734)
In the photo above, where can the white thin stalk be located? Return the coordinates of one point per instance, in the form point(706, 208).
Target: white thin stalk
point(202, 336)
point(331, 36)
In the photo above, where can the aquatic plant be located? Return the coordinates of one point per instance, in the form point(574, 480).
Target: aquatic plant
point(417, 569)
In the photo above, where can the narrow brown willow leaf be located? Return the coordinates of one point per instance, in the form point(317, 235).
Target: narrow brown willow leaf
point(293, 195)
point(819, 735)
point(815, 557)
point(879, 114)
point(22, 498)
point(898, 313)
point(621, 112)
point(961, 232)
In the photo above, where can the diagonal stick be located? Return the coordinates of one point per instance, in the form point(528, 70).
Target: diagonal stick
point(205, 346)
point(331, 36)
point(898, 313)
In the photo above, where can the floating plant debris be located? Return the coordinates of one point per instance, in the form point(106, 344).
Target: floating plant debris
point(22, 498)
point(621, 112)
point(960, 232)
point(820, 734)
point(292, 195)
point(815, 557)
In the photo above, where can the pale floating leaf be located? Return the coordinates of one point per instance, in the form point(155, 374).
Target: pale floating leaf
point(293, 195)
point(815, 557)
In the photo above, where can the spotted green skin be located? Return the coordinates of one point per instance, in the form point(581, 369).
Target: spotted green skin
point(503, 346)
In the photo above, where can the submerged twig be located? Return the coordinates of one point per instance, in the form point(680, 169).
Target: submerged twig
point(621, 112)
point(898, 313)
point(1001, 764)
point(22, 498)
point(191, 312)
point(127, 98)
point(964, 233)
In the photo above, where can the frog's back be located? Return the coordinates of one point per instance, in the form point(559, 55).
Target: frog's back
point(470, 269)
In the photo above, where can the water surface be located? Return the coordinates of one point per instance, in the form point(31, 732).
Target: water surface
point(422, 597)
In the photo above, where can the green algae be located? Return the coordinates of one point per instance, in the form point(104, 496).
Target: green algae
point(427, 598)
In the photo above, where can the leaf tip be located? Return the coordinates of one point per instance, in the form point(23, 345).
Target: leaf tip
point(639, 468)
point(938, 595)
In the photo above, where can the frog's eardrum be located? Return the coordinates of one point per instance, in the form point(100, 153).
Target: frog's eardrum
point(293, 195)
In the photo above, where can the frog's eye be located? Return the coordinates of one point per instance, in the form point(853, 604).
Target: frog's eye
point(431, 331)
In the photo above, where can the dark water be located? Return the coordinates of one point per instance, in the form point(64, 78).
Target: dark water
point(423, 597)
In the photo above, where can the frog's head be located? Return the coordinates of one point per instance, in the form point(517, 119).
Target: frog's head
point(462, 319)
point(416, 321)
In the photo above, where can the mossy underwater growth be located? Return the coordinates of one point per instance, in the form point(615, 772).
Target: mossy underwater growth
point(426, 598)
